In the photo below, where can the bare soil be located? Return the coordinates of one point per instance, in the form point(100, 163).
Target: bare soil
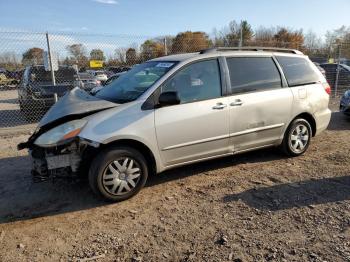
point(259, 206)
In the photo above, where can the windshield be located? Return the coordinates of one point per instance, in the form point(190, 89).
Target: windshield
point(130, 85)
point(346, 67)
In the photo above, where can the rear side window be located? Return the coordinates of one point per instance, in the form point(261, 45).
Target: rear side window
point(297, 70)
point(249, 74)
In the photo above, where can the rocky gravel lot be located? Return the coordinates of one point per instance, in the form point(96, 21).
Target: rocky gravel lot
point(258, 206)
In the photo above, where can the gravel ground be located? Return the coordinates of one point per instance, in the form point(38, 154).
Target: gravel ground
point(258, 206)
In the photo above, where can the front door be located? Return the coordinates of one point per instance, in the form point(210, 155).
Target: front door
point(198, 127)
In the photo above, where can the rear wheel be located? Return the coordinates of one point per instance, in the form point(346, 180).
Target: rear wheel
point(297, 137)
point(118, 173)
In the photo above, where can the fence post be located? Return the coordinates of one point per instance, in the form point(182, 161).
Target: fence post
point(50, 59)
point(165, 47)
point(337, 75)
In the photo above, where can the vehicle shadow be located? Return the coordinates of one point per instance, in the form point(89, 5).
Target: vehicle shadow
point(21, 199)
point(291, 195)
point(339, 122)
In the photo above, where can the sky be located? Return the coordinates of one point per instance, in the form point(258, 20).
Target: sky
point(126, 23)
point(163, 17)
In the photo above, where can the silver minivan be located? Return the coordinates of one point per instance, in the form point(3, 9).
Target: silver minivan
point(180, 109)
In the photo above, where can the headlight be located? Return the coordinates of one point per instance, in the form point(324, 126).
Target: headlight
point(60, 133)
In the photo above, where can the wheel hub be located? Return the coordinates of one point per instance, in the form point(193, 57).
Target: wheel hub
point(121, 176)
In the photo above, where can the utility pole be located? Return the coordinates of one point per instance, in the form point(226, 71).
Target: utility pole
point(338, 69)
point(51, 67)
point(241, 35)
point(50, 59)
point(165, 46)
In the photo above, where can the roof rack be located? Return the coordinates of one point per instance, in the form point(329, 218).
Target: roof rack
point(251, 48)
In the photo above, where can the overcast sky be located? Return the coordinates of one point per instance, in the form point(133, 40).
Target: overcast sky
point(160, 17)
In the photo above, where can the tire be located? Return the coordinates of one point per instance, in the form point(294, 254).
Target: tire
point(297, 138)
point(106, 177)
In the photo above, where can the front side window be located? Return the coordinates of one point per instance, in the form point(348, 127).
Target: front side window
point(249, 74)
point(297, 70)
point(196, 82)
point(129, 86)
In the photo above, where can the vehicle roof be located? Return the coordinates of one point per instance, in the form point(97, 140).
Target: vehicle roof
point(197, 55)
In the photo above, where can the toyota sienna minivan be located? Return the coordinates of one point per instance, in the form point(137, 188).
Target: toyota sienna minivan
point(180, 109)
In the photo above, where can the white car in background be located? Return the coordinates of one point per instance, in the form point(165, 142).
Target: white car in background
point(100, 75)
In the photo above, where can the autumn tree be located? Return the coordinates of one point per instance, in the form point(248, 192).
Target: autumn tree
point(131, 56)
point(78, 53)
point(33, 55)
point(188, 41)
point(289, 38)
point(151, 49)
point(97, 54)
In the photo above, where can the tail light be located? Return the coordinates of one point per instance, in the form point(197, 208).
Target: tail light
point(327, 88)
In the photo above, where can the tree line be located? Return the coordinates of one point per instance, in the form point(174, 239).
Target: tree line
point(233, 35)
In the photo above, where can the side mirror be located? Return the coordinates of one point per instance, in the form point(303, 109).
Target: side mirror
point(168, 98)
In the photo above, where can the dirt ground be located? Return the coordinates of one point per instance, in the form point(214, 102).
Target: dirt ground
point(258, 206)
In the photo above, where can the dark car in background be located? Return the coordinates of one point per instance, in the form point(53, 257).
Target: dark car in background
point(36, 92)
point(344, 106)
point(331, 74)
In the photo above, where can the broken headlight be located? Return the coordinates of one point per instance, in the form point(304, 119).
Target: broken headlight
point(61, 133)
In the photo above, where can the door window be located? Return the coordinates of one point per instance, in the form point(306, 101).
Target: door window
point(196, 82)
point(249, 74)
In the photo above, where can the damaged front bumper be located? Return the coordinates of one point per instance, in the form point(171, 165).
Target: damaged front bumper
point(63, 161)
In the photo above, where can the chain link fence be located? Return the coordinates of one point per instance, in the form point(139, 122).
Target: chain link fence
point(28, 88)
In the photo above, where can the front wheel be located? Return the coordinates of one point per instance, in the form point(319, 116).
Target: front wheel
point(297, 137)
point(118, 173)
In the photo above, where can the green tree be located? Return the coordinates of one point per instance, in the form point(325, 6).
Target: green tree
point(78, 53)
point(97, 54)
point(151, 49)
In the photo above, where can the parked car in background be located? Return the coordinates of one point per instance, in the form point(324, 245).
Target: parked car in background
point(320, 68)
point(331, 74)
point(344, 106)
point(100, 75)
point(119, 69)
point(36, 93)
point(7, 81)
point(180, 109)
point(109, 81)
point(87, 82)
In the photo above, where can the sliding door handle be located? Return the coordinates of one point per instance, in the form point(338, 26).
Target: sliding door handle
point(237, 102)
point(219, 106)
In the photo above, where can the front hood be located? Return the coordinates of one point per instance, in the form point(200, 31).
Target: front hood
point(75, 102)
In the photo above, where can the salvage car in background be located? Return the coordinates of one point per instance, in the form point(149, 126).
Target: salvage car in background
point(344, 106)
point(181, 109)
point(87, 82)
point(36, 93)
point(331, 74)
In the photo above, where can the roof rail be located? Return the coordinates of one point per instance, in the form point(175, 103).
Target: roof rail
point(251, 48)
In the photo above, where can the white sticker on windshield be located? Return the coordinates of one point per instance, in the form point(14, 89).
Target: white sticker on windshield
point(166, 65)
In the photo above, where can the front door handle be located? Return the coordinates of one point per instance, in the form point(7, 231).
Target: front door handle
point(237, 102)
point(219, 106)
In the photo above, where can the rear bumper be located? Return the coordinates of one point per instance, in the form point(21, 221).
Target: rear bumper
point(322, 120)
